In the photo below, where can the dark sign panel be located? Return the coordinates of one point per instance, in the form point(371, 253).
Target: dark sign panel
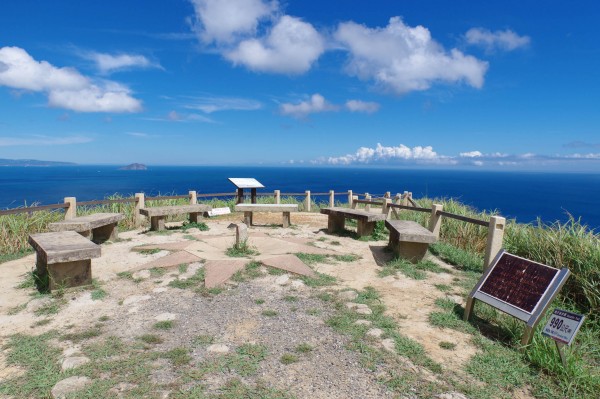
point(518, 282)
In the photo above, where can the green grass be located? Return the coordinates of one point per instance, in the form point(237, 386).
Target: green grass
point(203, 340)
point(447, 345)
point(443, 287)
point(194, 282)
point(164, 325)
point(405, 267)
point(82, 335)
point(259, 301)
point(320, 280)
point(150, 251)
point(288, 358)
point(251, 271)
point(269, 313)
point(150, 339)
point(312, 259)
point(195, 225)
point(346, 258)
point(241, 250)
point(178, 356)
point(460, 258)
point(304, 348)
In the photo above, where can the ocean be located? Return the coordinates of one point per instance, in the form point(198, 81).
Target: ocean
point(524, 196)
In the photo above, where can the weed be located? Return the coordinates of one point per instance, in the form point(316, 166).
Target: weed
point(195, 225)
point(203, 340)
point(82, 335)
point(312, 259)
point(304, 348)
point(16, 309)
point(443, 287)
point(447, 345)
point(459, 257)
point(150, 251)
point(313, 312)
point(290, 298)
point(259, 301)
point(288, 358)
point(98, 294)
point(241, 250)
point(125, 275)
point(151, 339)
point(269, 313)
point(40, 323)
point(320, 280)
point(164, 325)
point(405, 267)
point(103, 318)
point(346, 258)
point(157, 271)
point(182, 268)
point(178, 356)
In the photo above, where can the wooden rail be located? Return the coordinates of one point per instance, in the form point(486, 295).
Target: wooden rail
point(463, 218)
point(106, 202)
point(410, 208)
point(32, 209)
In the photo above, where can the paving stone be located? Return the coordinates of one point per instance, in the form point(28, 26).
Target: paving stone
point(174, 259)
point(72, 362)
point(389, 344)
point(217, 348)
point(289, 263)
point(135, 298)
point(166, 317)
point(282, 280)
point(219, 271)
point(69, 385)
point(348, 295)
point(375, 332)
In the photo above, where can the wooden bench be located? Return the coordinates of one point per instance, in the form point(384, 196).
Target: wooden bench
point(248, 209)
point(365, 219)
point(64, 257)
point(158, 214)
point(409, 239)
point(98, 227)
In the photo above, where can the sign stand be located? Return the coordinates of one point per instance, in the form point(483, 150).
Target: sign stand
point(519, 287)
point(562, 327)
point(561, 353)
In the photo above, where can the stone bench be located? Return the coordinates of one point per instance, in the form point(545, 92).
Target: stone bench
point(366, 220)
point(64, 257)
point(157, 214)
point(409, 239)
point(98, 227)
point(248, 209)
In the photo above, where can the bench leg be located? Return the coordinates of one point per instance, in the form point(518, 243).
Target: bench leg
point(157, 223)
point(364, 228)
point(105, 233)
point(286, 219)
point(248, 218)
point(412, 251)
point(335, 223)
point(195, 217)
point(69, 274)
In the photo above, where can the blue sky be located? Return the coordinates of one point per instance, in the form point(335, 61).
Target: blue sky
point(481, 85)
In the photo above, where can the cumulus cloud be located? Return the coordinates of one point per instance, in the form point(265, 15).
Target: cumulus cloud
point(289, 45)
point(382, 154)
point(214, 104)
point(506, 40)
point(315, 104)
point(39, 140)
point(65, 87)
point(362, 106)
point(225, 21)
point(401, 58)
point(107, 63)
point(471, 154)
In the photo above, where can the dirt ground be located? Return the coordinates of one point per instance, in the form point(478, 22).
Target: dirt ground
point(133, 307)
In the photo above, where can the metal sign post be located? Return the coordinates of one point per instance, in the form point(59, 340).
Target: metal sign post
point(562, 327)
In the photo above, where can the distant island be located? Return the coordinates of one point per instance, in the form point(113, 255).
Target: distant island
point(32, 162)
point(134, 166)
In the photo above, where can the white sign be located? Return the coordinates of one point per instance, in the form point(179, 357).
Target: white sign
point(245, 182)
point(219, 211)
point(563, 325)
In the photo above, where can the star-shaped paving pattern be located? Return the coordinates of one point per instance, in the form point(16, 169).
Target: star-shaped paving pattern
point(276, 252)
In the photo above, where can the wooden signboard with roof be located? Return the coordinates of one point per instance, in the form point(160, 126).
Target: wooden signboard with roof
point(519, 287)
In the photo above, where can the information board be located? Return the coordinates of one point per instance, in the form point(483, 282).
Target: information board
point(563, 325)
point(245, 182)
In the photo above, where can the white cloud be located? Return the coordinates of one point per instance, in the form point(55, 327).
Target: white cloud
point(215, 104)
point(65, 87)
point(39, 140)
point(224, 21)
point(108, 63)
point(471, 154)
point(315, 104)
point(175, 116)
point(401, 58)
point(292, 46)
point(506, 40)
point(138, 134)
point(362, 106)
point(381, 154)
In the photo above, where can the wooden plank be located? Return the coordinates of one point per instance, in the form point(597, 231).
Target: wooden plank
point(63, 246)
point(409, 231)
point(357, 214)
point(88, 222)
point(33, 209)
point(463, 218)
point(410, 208)
point(174, 210)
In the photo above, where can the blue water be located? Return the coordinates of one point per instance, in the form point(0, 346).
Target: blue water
point(524, 196)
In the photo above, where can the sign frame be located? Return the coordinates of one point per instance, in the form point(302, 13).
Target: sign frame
point(549, 332)
point(532, 318)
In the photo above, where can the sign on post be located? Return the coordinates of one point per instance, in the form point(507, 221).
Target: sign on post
point(519, 287)
point(563, 325)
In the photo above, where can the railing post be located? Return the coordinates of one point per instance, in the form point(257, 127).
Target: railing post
point(405, 198)
point(354, 199)
point(331, 198)
point(387, 195)
point(494, 239)
point(140, 202)
point(350, 196)
point(307, 201)
point(435, 220)
point(386, 207)
point(367, 198)
point(193, 198)
point(71, 211)
point(277, 194)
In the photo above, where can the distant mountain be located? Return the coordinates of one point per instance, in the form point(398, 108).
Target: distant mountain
point(32, 162)
point(134, 166)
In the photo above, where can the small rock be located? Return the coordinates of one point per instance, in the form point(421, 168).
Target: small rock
point(166, 317)
point(388, 344)
point(298, 285)
point(69, 385)
point(284, 279)
point(351, 305)
point(362, 322)
point(142, 274)
point(70, 351)
point(348, 295)
point(135, 298)
point(72, 362)
point(363, 309)
point(451, 395)
point(218, 348)
point(375, 332)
